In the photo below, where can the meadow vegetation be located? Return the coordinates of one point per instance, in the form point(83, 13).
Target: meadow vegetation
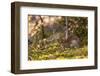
point(57, 37)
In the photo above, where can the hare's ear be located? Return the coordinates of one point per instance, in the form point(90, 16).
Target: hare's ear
point(64, 24)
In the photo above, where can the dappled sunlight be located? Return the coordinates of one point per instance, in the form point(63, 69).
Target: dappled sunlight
point(57, 37)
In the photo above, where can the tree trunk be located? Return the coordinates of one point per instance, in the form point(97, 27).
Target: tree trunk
point(66, 28)
point(42, 27)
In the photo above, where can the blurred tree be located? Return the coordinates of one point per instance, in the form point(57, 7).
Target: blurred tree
point(73, 28)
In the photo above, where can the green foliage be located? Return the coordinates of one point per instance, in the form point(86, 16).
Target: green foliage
point(54, 51)
point(79, 27)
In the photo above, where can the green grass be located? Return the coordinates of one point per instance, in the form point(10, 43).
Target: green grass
point(55, 51)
